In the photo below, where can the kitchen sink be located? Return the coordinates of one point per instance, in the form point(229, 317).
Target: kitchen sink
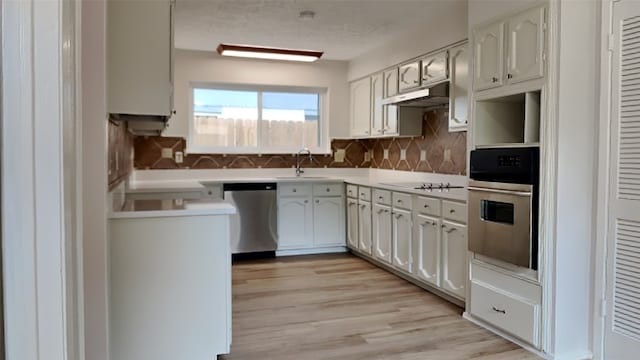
point(300, 177)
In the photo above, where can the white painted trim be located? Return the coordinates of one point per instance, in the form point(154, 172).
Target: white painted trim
point(602, 186)
point(324, 250)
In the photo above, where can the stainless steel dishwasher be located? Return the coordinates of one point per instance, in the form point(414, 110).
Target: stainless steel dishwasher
point(253, 227)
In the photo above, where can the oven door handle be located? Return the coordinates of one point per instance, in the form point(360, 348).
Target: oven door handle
point(500, 191)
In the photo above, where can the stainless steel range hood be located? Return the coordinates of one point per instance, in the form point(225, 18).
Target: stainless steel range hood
point(436, 95)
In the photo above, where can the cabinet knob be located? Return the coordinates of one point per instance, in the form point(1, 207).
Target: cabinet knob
point(494, 79)
point(399, 201)
point(434, 223)
point(509, 76)
point(426, 206)
point(294, 190)
point(452, 211)
point(306, 201)
point(317, 201)
point(380, 197)
point(328, 190)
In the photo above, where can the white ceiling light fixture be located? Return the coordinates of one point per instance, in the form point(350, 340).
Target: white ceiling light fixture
point(256, 52)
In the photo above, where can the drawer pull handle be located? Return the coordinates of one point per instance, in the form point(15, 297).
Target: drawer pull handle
point(328, 189)
point(451, 230)
point(306, 201)
point(380, 197)
point(434, 223)
point(426, 206)
point(452, 211)
point(499, 310)
point(399, 201)
point(317, 201)
point(294, 190)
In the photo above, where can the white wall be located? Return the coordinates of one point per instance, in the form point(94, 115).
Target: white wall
point(445, 28)
point(578, 99)
point(204, 66)
point(94, 178)
point(481, 11)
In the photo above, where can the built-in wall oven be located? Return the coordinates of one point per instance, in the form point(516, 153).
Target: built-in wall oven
point(503, 204)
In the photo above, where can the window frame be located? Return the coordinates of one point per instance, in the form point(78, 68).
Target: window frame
point(324, 146)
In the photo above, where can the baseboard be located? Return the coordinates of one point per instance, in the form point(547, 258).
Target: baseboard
point(311, 251)
point(426, 286)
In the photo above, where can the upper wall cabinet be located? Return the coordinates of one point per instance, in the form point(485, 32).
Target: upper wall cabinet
point(525, 49)
point(488, 62)
point(140, 57)
point(409, 77)
point(435, 68)
point(361, 107)
point(391, 82)
point(523, 53)
point(377, 109)
point(459, 87)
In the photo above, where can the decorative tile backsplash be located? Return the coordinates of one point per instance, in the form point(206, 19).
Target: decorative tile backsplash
point(436, 151)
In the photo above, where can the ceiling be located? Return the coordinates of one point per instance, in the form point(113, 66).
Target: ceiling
point(343, 29)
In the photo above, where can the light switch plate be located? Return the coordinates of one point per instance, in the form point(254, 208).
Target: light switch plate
point(179, 157)
point(167, 153)
point(338, 156)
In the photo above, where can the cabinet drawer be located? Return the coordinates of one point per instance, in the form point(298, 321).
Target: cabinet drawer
point(402, 201)
point(328, 189)
point(382, 197)
point(427, 206)
point(352, 191)
point(364, 193)
point(506, 311)
point(294, 189)
point(454, 211)
point(498, 279)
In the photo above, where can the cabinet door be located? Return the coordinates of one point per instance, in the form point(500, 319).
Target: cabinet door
point(377, 115)
point(435, 68)
point(458, 87)
point(525, 45)
point(361, 107)
point(402, 239)
point(352, 223)
point(295, 223)
point(409, 76)
point(488, 51)
point(390, 120)
point(382, 233)
point(364, 227)
point(328, 221)
point(427, 249)
point(390, 82)
point(454, 258)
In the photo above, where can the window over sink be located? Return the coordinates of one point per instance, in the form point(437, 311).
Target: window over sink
point(236, 119)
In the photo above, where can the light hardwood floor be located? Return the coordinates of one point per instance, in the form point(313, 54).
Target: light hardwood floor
point(342, 307)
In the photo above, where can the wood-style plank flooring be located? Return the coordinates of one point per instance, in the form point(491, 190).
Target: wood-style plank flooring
point(341, 307)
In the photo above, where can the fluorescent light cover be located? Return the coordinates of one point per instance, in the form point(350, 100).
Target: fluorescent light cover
point(268, 53)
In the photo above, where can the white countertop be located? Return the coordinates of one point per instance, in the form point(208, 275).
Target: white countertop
point(459, 194)
point(171, 208)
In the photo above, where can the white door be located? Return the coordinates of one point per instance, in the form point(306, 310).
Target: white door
point(377, 116)
point(295, 217)
point(391, 82)
point(361, 107)
point(435, 68)
point(488, 50)
point(454, 258)
point(364, 227)
point(382, 233)
point(328, 221)
point(352, 223)
point(402, 239)
point(525, 45)
point(458, 87)
point(409, 76)
point(427, 249)
point(622, 329)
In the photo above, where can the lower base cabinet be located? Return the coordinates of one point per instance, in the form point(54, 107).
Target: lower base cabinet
point(402, 240)
point(382, 233)
point(426, 263)
point(454, 258)
point(352, 223)
point(364, 227)
point(328, 221)
point(295, 223)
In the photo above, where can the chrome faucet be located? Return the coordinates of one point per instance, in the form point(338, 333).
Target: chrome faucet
point(304, 151)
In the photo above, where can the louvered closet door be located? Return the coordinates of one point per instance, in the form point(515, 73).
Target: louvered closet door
point(622, 334)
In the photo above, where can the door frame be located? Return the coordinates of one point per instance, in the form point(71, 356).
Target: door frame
point(603, 181)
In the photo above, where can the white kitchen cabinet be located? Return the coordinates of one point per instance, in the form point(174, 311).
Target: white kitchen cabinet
point(488, 61)
point(352, 223)
point(364, 227)
point(382, 233)
point(328, 221)
point(391, 82)
point(458, 87)
point(454, 257)
point(525, 45)
point(402, 239)
point(140, 57)
point(377, 114)
point(426, 265)
point(361, 107)
point(295, 222)
point(435, 68)
point(409, 76)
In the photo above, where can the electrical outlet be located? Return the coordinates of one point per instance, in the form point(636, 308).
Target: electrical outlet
point(338, 156)
point(367, 156)
point(447, 155)
point(179, 157)
point(167, 153)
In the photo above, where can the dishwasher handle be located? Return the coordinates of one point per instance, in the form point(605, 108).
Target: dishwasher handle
point(250, 186)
